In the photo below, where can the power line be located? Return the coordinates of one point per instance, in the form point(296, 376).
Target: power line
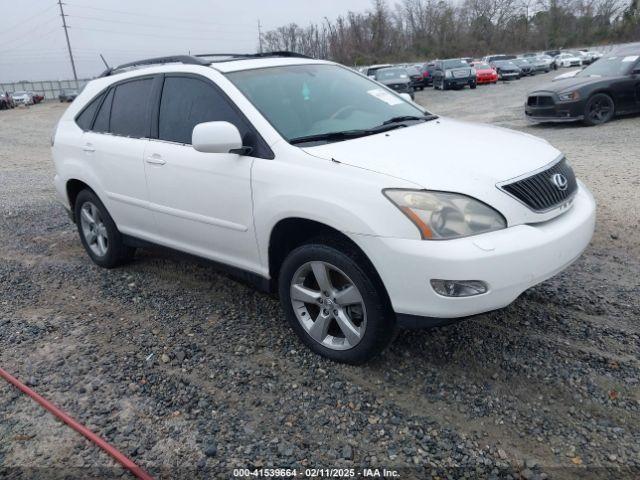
point(161, 17)
point(136, 34)
point(66, 35)
point(28, 19)
point(139, 24)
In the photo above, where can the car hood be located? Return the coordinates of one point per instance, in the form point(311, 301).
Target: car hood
point(570, 83)
point(446, 154)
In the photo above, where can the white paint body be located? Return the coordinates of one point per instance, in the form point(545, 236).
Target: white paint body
point(224, 206)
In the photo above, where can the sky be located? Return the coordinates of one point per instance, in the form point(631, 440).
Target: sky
point(33, 47)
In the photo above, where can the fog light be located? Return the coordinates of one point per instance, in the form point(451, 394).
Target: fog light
point(459, 288)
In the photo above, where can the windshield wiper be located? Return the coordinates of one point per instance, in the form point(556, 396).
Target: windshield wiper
point(406, 118)
point(346, 134)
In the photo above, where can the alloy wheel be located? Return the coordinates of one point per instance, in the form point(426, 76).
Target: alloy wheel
point(94, 229)
point(600, 109)
point(328, 305)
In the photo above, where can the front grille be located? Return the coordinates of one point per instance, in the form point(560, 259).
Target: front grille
point(540, 101)
point(539, 192)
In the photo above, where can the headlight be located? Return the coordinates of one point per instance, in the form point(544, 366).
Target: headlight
point(569, 96)
point(447, 73)
point(444, 215)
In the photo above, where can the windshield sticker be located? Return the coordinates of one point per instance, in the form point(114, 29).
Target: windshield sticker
point(385, 96)
point(631, 58)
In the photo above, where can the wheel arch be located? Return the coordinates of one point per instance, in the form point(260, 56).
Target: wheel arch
point(291, 232)
point(73, 187)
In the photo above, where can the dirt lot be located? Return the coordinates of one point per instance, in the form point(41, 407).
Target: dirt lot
point(192, 373)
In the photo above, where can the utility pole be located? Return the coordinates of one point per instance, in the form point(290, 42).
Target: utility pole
point(66, 34)
point(260, 35)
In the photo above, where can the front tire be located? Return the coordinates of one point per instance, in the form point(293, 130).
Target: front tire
point(598, 110)
point(334, 301)
point(98, 232)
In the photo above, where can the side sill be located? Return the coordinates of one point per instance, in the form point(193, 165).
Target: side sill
point(258, 282)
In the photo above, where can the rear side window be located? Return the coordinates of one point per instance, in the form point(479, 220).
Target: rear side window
point(102, 119)
point(129, 109)
point(85, 119)
point(188, 101)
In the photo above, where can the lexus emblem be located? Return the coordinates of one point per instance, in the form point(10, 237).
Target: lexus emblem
point(560, 181)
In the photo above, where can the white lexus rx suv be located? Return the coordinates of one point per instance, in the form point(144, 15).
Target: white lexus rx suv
point(361, 209)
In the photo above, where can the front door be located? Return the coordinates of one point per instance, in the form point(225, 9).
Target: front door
point(201, 201)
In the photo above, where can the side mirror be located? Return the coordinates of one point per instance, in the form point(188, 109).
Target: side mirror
point(216, 137)
point(406, 96)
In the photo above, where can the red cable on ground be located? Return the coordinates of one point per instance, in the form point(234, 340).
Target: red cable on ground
point(124, 461)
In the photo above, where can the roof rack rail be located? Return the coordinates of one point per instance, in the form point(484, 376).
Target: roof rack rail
point(197, 59)
point(236, 56)
point(185, 59)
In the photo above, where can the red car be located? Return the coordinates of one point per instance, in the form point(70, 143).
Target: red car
point(484, 73)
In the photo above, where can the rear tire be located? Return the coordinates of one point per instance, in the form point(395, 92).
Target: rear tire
point(98, 232)
point(324, 270)
point(599, 109)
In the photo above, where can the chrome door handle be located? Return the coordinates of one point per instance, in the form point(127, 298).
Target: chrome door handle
point(88, 147)
point(155, 159)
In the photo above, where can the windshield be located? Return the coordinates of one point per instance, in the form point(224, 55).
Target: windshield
point(304, 100)
point(505, 63)
point(447, 64)
point(19, 93)
point(610, 66)
point(387, 73)
point(481, 66)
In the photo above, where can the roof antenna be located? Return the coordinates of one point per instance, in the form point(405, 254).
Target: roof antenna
point(108, 71)
point(105, 62)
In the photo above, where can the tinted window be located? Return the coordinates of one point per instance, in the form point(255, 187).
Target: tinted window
point(102, 119)
point(85, 119)
point(129, 110)
point(187, 102)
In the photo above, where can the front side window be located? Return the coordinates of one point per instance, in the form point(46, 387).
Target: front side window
point(315, 99)
point(129, 109)
point(188, 101)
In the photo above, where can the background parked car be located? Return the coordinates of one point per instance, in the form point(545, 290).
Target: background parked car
point(67, 95)
point(396, 78)
point(525, 66)
point(568, 59)
point(541, 63)
point(371, 70)
point(37, 97)
point(6, 101)
point(608, 87)
point(417, 80)
point(507, 70)
point(484, 73)
point(427, 73)
point(22, 98)
point(494, 58)
point(453, 73)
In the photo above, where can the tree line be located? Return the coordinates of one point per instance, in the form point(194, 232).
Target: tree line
point(414, 30)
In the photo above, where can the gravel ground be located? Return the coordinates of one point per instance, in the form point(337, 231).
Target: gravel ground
point(193, 374)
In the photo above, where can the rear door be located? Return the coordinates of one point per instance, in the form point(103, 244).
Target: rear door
point(201, 201)
point(115, 149)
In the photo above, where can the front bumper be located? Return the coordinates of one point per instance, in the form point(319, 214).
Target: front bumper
point(556, 112)
point(509, 261)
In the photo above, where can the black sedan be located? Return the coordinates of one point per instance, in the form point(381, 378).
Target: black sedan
point(396, 78)
point(526, 67)
point(608, 87)
point(506, 69)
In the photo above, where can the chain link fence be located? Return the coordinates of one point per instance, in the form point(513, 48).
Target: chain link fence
point(49, 88)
